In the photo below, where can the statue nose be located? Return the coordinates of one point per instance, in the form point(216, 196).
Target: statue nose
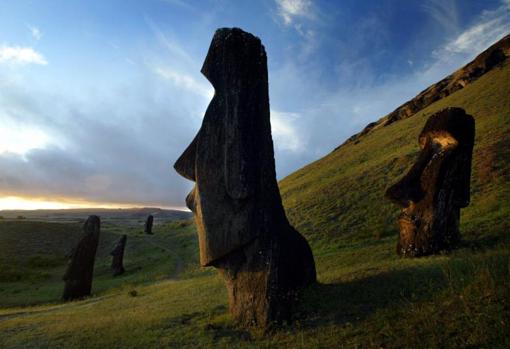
point(190, 200)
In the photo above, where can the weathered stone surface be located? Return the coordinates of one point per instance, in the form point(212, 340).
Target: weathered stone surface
point(118, 256)
point(80, 270)
point(434, 190)
point(148, 224)
point(241, 223)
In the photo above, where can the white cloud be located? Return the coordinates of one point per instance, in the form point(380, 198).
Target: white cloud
point(292, 12)
point(490, 27)
point(180, 3)
point(19, 140)
point(284, 133)
point(169, 42)
point(184, 81)
point(444, 12)
point(291, 9)
point(21, 55)
point(82, 146)
point(36, 33)
point(344, 110)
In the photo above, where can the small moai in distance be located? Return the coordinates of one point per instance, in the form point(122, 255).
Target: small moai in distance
point(437, 186)
point(80, 270)
point(148, 224)
point(118, 256)
point(242, 227)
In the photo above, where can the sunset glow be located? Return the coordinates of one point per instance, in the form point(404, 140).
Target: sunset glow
point(23, 203)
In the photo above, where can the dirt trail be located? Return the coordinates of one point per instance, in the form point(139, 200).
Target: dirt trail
point(179, 263)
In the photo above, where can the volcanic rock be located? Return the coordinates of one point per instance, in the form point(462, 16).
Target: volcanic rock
point(241, 223)
point(118, 256)
point(148, 224)
point(80, 270)
point(437, 186)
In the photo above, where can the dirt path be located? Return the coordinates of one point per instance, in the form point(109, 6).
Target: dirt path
point(179, 263)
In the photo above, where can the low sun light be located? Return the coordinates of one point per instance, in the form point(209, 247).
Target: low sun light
point(23, 203)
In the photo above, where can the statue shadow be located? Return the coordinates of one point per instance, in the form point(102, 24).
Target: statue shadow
point(354, 301)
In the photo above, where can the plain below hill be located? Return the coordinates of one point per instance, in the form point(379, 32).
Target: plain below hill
point(126, 216)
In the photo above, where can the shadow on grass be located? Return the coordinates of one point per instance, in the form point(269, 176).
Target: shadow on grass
point(215, 329)
point(480, 244)
point(353, 301)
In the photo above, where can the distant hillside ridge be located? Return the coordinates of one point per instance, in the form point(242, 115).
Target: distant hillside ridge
point(483, 63)
point(341, 196)
point(77, 214)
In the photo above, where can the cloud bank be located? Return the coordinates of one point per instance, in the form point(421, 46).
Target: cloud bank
point(115, 139)
point(21, 55)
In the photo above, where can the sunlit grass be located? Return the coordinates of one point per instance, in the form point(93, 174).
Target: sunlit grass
point(367, 296)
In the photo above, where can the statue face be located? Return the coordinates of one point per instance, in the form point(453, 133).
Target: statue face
point(226, 157)
point(437, 186)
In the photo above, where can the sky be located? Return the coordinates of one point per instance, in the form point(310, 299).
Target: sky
point(98, 98)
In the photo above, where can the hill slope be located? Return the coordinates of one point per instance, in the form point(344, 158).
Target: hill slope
point(341, 195)
point(367, 296)
point(483, 63)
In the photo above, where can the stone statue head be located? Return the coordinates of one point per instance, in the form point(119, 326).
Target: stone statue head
point(437, 186)
point(92, 225)
point(231, 159)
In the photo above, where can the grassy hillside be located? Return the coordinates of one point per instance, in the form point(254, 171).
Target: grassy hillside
point(33, 257)
point(367, 296)
point(340, 196)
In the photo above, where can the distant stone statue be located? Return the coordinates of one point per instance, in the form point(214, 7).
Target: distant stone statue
point(241, 223)
point(148, 224)
point(118, 256)
point(80, 270)
point(434, 190)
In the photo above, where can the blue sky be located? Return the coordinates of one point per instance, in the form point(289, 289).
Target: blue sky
point(98, 98)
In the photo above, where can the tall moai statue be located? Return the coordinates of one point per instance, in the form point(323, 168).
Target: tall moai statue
point(241, 223)
point(437, 186)
point(118, 256)
point(80, 270)
point(148, 224)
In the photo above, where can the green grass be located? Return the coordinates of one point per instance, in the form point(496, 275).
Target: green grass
point(340, 197)
point(33, 257)
point(367, 296)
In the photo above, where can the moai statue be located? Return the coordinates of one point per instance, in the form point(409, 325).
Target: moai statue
point(80, 270)
point(437, 186)
point(241, 223)
point(148, 224)
point(118, 256)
